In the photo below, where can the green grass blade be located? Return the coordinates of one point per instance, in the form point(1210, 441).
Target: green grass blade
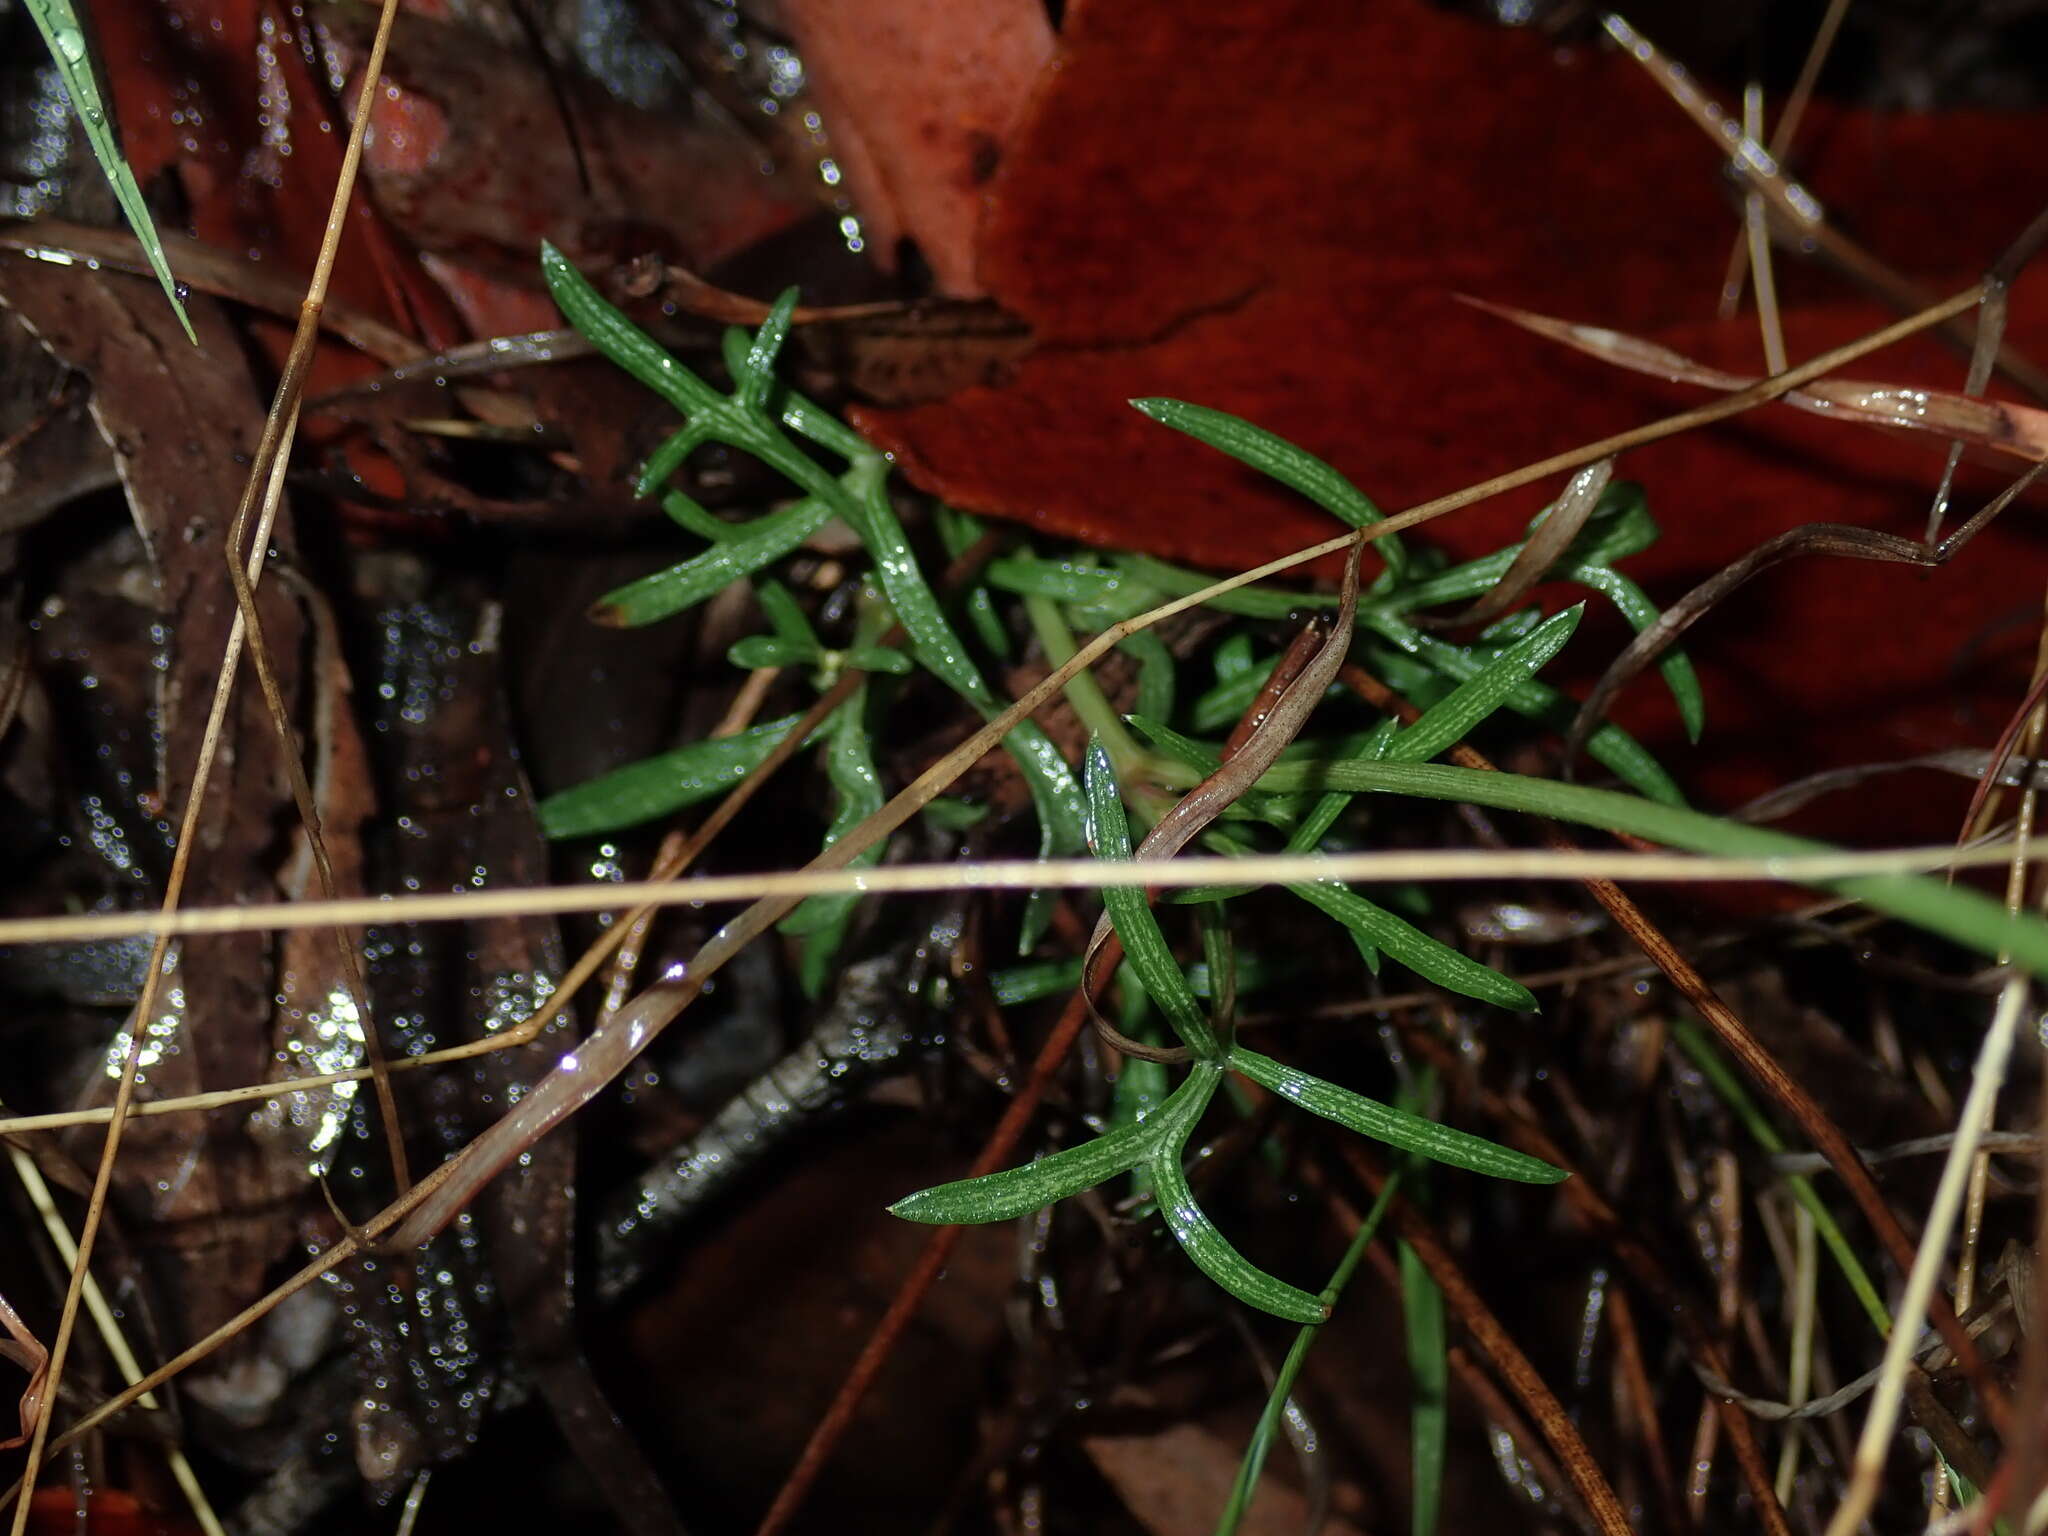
point(1725, 1083)
point(1956, 912)
point(748, 548)
point(1397, 1128)
point(1292, 466)
point(1290, 1369)
point(1145, 947)
point(59, 24)
point(660, 785)
point(1422, 1314)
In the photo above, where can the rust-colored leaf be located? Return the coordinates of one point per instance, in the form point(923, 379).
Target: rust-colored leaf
point(1272, 214)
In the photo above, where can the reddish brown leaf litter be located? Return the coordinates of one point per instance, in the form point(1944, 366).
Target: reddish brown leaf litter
point(1272, 214)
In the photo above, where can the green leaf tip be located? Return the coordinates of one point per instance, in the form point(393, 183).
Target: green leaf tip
point(58, 21)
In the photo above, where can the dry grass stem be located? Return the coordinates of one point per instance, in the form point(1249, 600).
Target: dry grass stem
point(1451, 864)
point(1987, 1077)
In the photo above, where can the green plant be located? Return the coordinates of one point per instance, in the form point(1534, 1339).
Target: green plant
point(764, 418)
point(59, 23)
point(753, 418)
point(1154, 1144)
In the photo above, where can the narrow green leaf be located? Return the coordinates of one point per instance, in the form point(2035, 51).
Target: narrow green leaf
point(1397, 1128)
point(878, 658)
point(692, 516)
point(751, 547)
point(1252, 602)
point(1634, 605)
point(801, 416)
point(1054, 794)
point(59, 24)
point(1609, 745)
point(757, 651)
point(1145, 947)
point(756, 377)
point(1027, 983)
point(786, 615)
point(1292, 466)
point(1445, 724)
point(660, 785)
point(668, 457)
point(856, 793)
point(1155, 673)
point(1213, 1253)
point(1216, 708)
point(1064, 581)
point(620, 339)
point(958, 532)
point(1020, 1191)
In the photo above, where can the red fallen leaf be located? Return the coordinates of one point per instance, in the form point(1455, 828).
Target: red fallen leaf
point(1269, 213)
point(918, 161)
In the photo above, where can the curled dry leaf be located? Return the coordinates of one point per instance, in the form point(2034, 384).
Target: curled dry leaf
point(26, 1351)
point(1807, 539)
point(1271, 730)
point(1551, 539)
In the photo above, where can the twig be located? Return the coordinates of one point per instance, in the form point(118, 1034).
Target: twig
point(1985, 1081)
point(1494, 1341)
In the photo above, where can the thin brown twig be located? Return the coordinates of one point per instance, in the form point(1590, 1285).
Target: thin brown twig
point(1595, 1215)
point(1498, 1409)
point(1782, 137)
point(210, 270)
point(1800, 210)
point(347, 1247)
point(1639, 1406)
point(258, 647)
point(1494, 1341)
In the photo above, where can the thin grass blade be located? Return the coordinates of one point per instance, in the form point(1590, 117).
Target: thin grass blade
point(58, 21)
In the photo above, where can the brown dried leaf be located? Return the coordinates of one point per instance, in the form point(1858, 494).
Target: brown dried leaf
point(26, 1351)
point(1243, 762)
point(2020, 431)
